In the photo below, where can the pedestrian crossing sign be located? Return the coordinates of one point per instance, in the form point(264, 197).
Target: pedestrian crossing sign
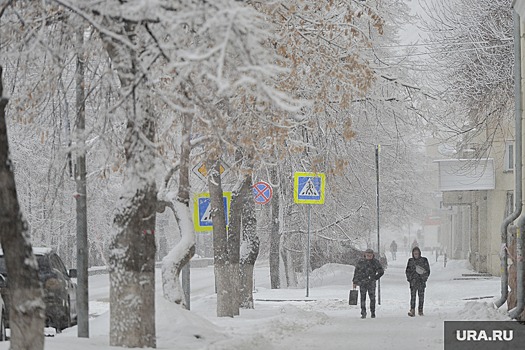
point(202, 211)
point(309, 188)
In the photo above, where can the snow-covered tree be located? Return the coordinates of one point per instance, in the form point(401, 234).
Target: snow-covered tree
point(339, 60)
point(27, 308)
point(471, 63)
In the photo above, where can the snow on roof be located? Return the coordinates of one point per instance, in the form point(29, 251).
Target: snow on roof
point(36, 250)
point(41, 250)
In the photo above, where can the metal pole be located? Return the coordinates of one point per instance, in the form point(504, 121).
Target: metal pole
point(378, 237)
point(308, 255)
point(81, 197)
point(518, 187)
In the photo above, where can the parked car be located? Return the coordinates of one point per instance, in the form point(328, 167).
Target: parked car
point(60, 292)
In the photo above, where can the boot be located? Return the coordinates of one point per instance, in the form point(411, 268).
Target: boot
point(373, 315)
point(420, 312)
point(412, 313)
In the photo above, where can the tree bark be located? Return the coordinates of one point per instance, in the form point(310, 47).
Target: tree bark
point(27, 309)
point(132, 250)
point(220, 242)
point(132, 271)
point(81, 195)
point(234, 236)
point(275, 236)
point(250, 247)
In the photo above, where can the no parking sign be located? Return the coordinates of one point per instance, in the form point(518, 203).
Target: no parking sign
point(262, 192)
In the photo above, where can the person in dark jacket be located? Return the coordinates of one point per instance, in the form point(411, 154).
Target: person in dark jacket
point(393, 249)
point(367, 272)
point(417, 273)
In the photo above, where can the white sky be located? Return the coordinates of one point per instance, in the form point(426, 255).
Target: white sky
point(411, 33)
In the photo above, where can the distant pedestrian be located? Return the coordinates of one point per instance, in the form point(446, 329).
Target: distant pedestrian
point(393, 249)
point(414, 244)
point(417, 273)
point(367, 272)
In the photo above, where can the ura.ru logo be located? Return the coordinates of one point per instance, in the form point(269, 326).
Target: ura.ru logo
point(482, 335)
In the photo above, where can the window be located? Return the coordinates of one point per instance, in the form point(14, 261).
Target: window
point(57, 263)
point(509, 156)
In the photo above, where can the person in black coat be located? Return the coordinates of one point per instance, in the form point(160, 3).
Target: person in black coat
point(417, 273)
point(367, 272)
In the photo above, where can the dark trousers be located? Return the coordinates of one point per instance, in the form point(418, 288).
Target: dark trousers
point(370, 288)
point(420, 289)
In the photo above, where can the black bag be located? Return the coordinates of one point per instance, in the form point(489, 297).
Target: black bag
point(352, 298)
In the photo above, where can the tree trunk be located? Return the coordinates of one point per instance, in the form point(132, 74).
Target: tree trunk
point(174, 262)
point(234, 236)
point(275, 236)
point(220, 243)
point(288, 262)
point(81, 195)
point(132, 270)
point(27, 309)
point(132, 250)
point(250, 246)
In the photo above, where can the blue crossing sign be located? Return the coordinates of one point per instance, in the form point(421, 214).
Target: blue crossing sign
point(202, 220)
point(309, 188)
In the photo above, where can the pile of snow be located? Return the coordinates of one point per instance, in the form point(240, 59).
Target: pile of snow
point(329, 274)
point(482, 311)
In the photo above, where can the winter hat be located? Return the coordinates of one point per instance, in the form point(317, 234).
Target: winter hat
point(416, 249)
point(371, 251)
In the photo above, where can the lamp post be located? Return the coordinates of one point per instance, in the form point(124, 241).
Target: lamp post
point(378, 148)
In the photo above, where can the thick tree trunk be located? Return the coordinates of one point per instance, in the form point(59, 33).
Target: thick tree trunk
point(288, 263)
point(81, 197)
point(132, 251)
point(220, 243)
point(247, 285)
point(234, 236)
point(132, 271)
point(250, 247)
point(27, 309)
point(275, 236)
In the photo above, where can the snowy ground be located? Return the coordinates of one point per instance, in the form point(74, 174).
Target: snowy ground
point(322, 321)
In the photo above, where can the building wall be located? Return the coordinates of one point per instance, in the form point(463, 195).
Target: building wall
point(497, 201)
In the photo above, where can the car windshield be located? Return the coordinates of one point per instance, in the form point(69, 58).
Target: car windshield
point(43, 264)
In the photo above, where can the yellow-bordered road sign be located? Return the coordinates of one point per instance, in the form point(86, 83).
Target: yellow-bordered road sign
point(309, 188)
point(201, 171)
point(202, 210)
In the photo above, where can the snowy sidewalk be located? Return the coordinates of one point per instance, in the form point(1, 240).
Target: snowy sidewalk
point(325, 321)
point(328, 322)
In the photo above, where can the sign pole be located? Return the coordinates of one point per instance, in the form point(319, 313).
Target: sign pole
point(308, 254)
point(308, 189)
point(378, 237)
